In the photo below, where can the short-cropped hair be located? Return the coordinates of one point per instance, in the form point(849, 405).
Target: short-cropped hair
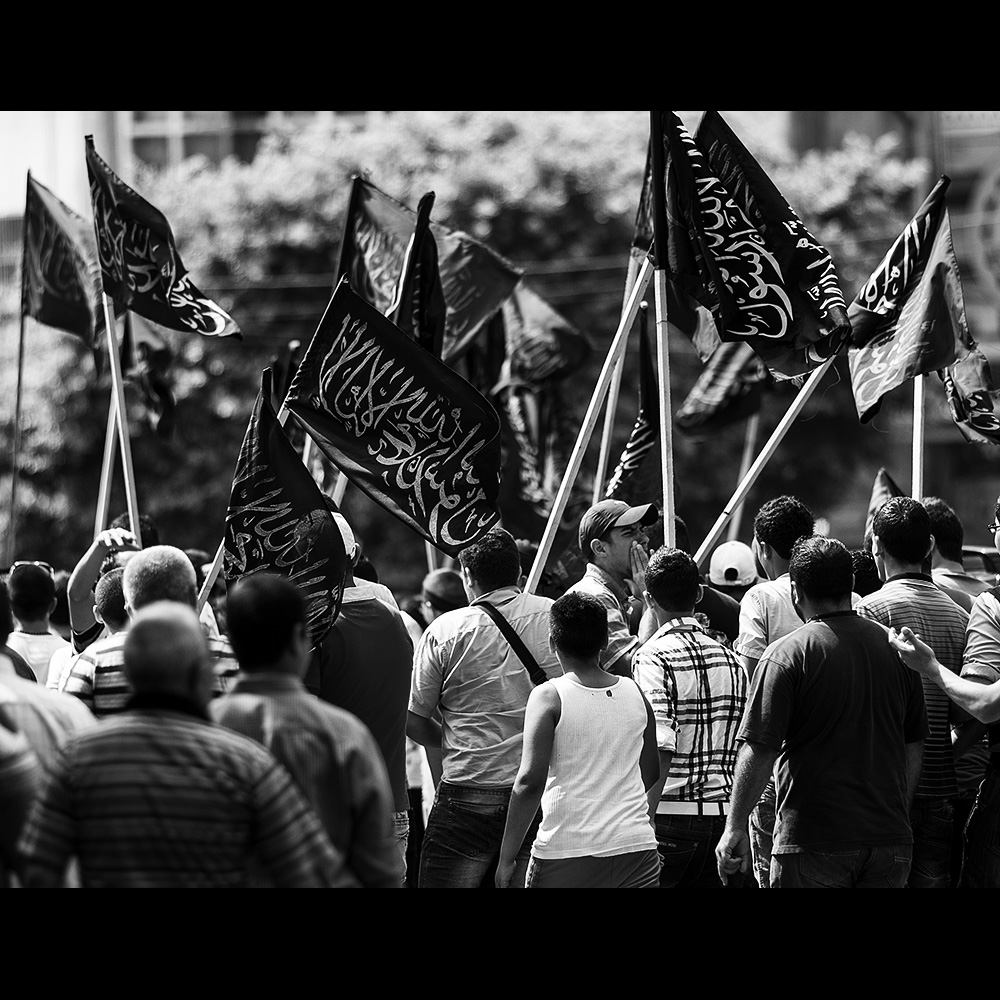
point(109, 599)
point(672, 579)
point(493, 561)
point(32, 591)
point(159, 573)
point(261, 613)
point(821, 568)
point(903, 527)
point(949, 535)
point(578, 625)
point(781, 522)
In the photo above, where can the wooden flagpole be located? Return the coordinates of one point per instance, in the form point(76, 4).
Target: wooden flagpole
point(15, 462)
point(749, 444)
point(917, 478)
point(589, 422)
point(107, 469)
point(121, 419)
point(613, 393)
point(662, 340)
point(762, 459)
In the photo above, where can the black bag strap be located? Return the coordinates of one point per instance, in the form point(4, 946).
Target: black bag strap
point(516, 643)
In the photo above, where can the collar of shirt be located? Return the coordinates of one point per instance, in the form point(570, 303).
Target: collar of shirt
point(833, 614)
point(685, 623)
point(266, 682)
point(500, 596)
point(911, 576)
point(162, 701)
point(596, 573)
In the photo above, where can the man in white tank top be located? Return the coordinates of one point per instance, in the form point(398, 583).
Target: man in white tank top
point(589, 759)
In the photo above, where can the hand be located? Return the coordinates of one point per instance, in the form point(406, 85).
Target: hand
point(116, 539)
point(913, 651)
point(638, 560)
point(732, 853)
point(505, 872)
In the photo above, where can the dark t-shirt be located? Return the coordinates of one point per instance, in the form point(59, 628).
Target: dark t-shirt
point(722, 611)
point(364, 665)
point(836, 702)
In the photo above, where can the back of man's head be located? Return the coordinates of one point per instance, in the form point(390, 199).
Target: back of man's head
point(165, 652)
point(578, 626)
point(903, 528)
point(6, 618)
point(946, 528)
point(493, 561)
point(822, 568)
point(262, 612)
point(781, 522)
point(32, 591)
point(109, 599)
point(147, 526)
point(159, 573)
point(672, 580)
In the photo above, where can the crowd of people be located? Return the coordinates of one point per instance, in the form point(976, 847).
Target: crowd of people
point(801, 716)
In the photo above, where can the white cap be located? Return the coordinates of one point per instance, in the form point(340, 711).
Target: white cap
point(350, 542)
point(732, 565)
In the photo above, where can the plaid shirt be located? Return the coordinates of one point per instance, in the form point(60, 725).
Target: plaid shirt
point(697, 689)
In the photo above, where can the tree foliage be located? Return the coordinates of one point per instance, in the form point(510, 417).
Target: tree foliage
point(556, 191)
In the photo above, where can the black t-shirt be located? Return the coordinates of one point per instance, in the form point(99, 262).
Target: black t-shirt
point(722, 611)
point(837, 703)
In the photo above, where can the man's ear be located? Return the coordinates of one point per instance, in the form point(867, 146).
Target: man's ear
point(796, 593)
point(876, 546)
point(932, 546)
point(700, 594)
point(97, 615)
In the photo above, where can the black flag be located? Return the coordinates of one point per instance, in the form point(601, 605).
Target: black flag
point(278, 521)
point(402, 426)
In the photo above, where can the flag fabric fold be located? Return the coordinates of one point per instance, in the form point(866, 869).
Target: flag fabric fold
point(909, 318)
point(60, 284)
point(972, 399)
point(140, 265)
point(403, 427)
point(718, 256)
point(420, 308)
point(884, 488)
point(730, 388)
point(475, 281)
point(646, 429)
point(279, 522)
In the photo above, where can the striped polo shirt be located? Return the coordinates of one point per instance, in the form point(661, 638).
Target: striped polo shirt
point(913, 600)
point(159, 796)
point(97, 676)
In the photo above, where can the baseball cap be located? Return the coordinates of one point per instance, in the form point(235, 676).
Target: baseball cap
point(608, 514)
point(732, 565)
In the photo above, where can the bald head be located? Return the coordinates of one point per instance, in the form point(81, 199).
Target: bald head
point(166, 652)
point(159, 573)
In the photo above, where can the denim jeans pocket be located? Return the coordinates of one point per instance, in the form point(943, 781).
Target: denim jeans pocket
point(829, 868)
point(469, 828)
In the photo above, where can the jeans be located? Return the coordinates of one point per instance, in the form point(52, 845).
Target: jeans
point(762, 836)
point(687, 852)
point(401, 829)
point(463, 837)
point(981, 866)
point(634, 870)
point(860, 868)
point(931, 821)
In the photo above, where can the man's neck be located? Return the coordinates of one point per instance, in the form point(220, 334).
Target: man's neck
point(664, 615)
point(951, 565)
point(584, 670)
point(40, 627)
point(775, 567)
point(896, 568)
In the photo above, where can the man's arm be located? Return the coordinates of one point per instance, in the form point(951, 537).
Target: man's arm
point(372, 853)
point(979, 699)
point(80, 588)
point(649, 758)
point(540, 718)
point(426, 732)
point(749, 665)
point(754, 765)
point(653, 793)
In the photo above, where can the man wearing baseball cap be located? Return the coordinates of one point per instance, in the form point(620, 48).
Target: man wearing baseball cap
point(614, 542)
